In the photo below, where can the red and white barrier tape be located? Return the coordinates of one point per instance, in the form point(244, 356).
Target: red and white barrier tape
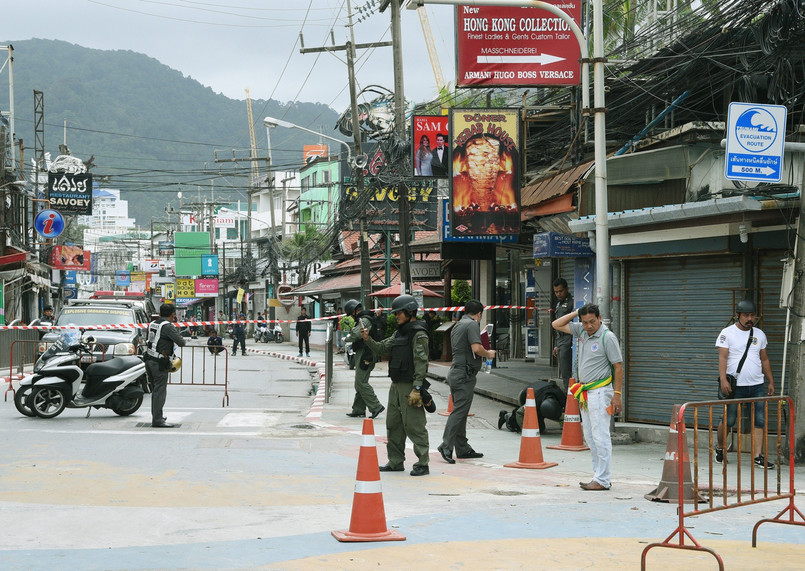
point(242, 321)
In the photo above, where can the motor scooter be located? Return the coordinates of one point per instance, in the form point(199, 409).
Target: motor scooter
point(66, 376)
point(268, 334)
point(261, 333)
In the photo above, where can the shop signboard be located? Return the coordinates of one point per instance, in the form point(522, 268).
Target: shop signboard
point(557, 245)
point(517, 46)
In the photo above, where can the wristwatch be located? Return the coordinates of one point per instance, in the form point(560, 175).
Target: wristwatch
point(417, 387)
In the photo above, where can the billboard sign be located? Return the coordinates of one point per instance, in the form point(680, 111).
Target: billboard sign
point(70, 258)
point(556, 245)
point(508, 46)
point(70, 193)
point(485, 158)
point(311, 152)
point(430, 159)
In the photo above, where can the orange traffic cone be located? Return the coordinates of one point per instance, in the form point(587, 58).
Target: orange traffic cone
point(368, 522)
point(572, 438)
point(450, 408)
point(668, 489)
point(530, 446)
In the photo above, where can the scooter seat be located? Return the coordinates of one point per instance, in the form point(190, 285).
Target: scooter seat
point(112, 366)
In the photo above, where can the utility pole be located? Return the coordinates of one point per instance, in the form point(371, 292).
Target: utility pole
point(349, 48)
point(399, 127)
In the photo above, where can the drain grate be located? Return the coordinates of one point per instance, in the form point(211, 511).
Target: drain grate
point(303, 426)
point(148, 425)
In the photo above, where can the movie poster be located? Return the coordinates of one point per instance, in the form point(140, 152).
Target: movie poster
point(430, 148)
point(485, 151)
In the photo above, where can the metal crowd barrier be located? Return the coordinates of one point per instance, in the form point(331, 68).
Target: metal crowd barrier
point(711, 499)
point(200, 367)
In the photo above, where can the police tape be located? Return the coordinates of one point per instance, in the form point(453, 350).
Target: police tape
point(240, 321)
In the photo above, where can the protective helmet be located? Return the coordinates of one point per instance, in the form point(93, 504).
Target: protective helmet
point(350, 306)
point(404, 302)
point(176, 364)
point(550, 408)
point(745, 306)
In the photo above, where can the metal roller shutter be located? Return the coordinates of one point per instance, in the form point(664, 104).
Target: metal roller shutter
point(773, 324)
point(675, 308)
point(770, 277)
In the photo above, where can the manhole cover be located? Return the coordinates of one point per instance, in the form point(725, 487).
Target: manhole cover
point(148, 425)
point(505, 493)
point(303, 426)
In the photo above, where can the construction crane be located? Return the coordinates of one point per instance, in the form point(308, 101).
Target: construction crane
point(253, 154)
point(432, 53)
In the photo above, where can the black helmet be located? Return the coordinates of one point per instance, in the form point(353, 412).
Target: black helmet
point(550, 408)
point(404, 302)
point(351, 305)
point(745, 306)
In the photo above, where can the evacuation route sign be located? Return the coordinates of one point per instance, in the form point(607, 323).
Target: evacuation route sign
point(755, 142)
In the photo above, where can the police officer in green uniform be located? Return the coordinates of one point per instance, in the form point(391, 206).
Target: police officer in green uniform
point(407, 369)
point(364, 363)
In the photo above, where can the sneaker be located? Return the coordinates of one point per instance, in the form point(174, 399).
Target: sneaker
point(719, 458)
point(761, 461)
point(307, 354)
point(299, 355)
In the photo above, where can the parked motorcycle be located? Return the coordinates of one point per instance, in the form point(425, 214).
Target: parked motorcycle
point(261, 333)
point(66, 376)
point(349, 355)
point(270, 334)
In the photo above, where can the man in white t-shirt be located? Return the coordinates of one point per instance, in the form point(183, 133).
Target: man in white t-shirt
point(732, 343)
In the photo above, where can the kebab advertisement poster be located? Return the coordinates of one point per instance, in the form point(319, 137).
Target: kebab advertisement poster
point(485, 195)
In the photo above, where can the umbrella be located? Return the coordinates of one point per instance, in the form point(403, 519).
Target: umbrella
point(394, 291)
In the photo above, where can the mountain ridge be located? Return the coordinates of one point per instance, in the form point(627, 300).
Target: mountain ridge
point(152, 129)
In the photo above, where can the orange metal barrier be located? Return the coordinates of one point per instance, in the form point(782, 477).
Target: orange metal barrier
point(200, 367)
point(724, 498)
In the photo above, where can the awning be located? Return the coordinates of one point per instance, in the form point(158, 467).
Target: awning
point(552, 186)
point(671, 213)
point(556, 205)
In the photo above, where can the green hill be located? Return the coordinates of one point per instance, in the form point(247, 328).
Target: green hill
point(152, 130)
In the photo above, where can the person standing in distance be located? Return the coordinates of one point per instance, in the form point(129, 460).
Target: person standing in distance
point(303, 332)
point(364, 362)
point(600, 384)
point(742, 337)
point(563, 347)
point(407, 368)
point(162, 338)
point(468, 354)
point(239, 332)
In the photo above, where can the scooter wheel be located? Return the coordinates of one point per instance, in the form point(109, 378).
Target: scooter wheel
point(128, 406)
point(48, 402)
point(279, 338)
point(20, 398)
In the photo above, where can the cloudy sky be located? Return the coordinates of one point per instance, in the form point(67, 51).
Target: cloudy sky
point(231, 45)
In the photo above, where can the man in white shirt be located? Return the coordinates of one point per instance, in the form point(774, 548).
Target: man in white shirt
point(732, 344)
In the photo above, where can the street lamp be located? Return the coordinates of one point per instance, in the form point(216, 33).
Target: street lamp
point(272, 122)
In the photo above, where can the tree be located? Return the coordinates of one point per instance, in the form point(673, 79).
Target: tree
point(461, 292)
point(305, 248)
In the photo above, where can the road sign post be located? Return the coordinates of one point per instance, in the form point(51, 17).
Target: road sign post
point(755, 142)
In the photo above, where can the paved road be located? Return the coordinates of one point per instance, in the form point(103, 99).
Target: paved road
point(262, 483)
